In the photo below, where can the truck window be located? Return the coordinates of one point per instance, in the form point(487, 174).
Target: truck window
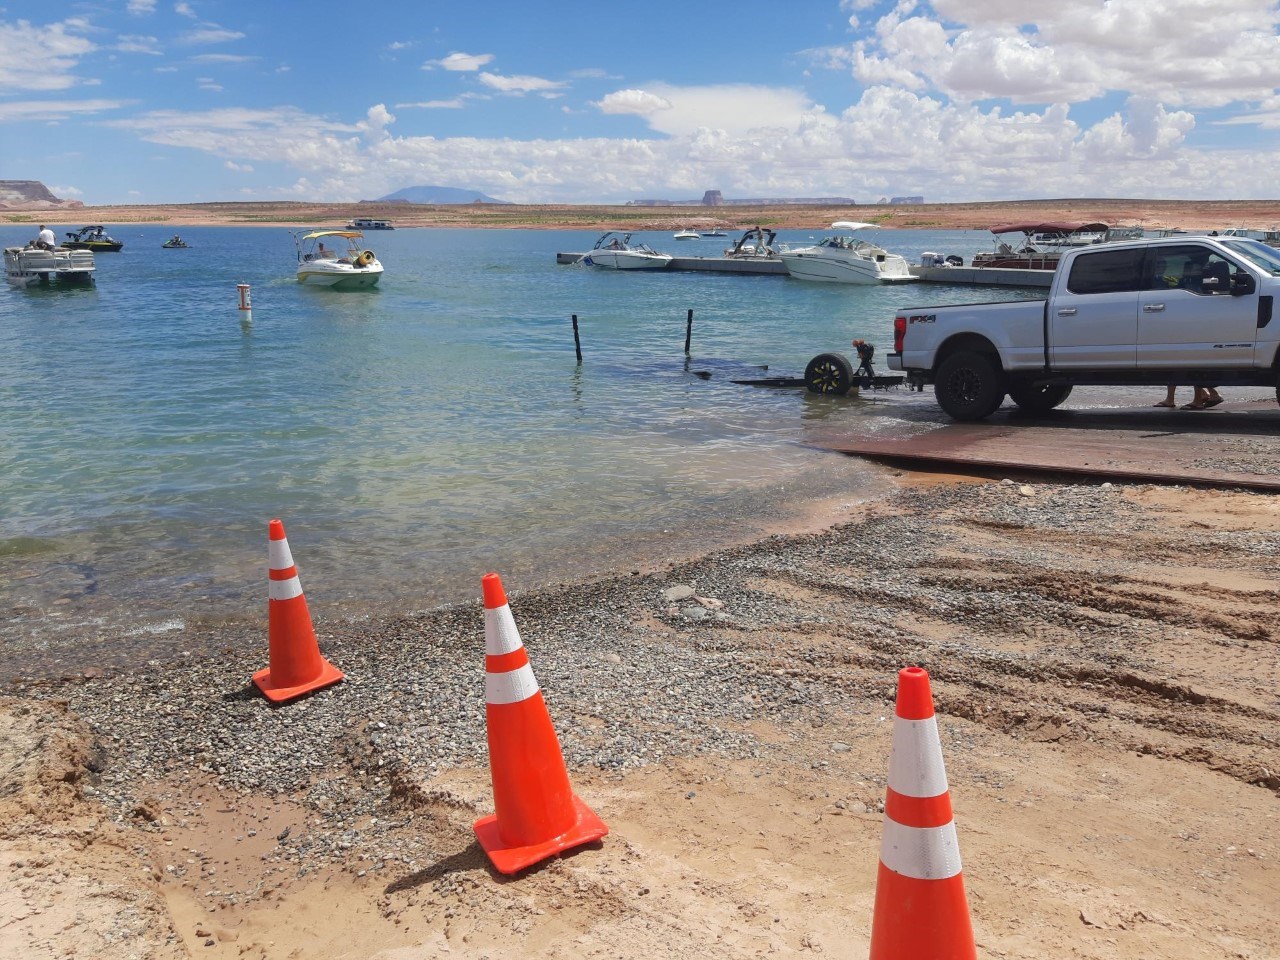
point(1109, 271)
point(1197, 269)
point(1258, 253)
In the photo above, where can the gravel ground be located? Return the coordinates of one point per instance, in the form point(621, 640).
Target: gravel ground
point(645, 667)
point(1131, 620)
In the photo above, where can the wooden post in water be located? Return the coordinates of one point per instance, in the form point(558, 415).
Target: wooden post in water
point(577, 344)
point(688, 330)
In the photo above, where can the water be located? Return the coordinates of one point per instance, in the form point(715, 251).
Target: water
point(410, 437)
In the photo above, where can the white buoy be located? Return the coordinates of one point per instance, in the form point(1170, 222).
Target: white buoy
point(246, 304)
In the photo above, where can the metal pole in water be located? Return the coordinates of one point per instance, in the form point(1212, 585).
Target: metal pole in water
point(577, 344)
point(688, 331)
point(246, 304)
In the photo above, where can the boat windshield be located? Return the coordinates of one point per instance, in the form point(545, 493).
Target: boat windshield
point(1256, 252)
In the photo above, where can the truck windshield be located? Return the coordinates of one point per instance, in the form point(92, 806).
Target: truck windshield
point(1256, 252)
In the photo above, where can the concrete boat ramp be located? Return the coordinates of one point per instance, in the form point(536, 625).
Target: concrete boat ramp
point(1234, 445)
point(979, 276)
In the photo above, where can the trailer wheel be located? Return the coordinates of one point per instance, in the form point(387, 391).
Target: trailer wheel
point(829, 373)
point(1039, 400)
point(969, 385)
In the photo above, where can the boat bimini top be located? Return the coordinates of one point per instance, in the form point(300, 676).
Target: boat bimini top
point(349, 234)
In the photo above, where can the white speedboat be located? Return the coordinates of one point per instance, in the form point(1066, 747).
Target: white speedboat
point(26, 266)
point(619, 253)
point(346, 266)
point(756, 243)
point(688, 235)
point(847, 259)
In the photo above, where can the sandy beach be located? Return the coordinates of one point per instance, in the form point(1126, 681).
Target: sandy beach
point(1151, 214)
point(1104, 659)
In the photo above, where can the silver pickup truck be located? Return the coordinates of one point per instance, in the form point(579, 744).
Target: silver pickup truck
point(1176, 310)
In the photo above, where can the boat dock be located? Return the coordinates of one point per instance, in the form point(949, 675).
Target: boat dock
point(975, 276)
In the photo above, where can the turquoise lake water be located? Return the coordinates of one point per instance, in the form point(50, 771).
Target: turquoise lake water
point(410, 437)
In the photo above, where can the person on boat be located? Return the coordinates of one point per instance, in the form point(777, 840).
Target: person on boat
point(323, 252)
point(45, 239)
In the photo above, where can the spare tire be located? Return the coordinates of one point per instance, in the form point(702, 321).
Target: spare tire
point(829, 373)
point(1039, 400)
point(365, 258)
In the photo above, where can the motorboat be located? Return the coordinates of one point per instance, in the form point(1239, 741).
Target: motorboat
point(29, 265)
point(92, 238)
point(350, 268)
point(757, 242)
point(1041, 245)
point(615, 252)
point(174, 243)
point(1248, 233)
point(361, 223)
point(844, 258)
point(714, 233)
point(688, 235)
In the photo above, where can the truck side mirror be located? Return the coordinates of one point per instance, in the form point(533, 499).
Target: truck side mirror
point(1242, 284)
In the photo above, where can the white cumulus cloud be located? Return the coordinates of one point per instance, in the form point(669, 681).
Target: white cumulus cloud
point(462, 62)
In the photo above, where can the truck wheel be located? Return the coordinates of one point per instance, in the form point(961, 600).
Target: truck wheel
point(969, 385)
point(1039, 399)
point(829, 373)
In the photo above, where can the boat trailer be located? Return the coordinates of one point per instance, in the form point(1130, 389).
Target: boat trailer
point(833, 373)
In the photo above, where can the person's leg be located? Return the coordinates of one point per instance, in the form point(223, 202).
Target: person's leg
point(1168, 400)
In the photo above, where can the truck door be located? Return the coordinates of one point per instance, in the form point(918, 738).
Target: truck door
point(1188, 316)
point(1093, 310)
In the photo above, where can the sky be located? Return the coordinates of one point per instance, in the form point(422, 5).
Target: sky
point(152, 101)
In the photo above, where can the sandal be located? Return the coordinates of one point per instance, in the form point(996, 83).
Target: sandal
point(1213, 402)
point(1194, 405)
point(1168, 404)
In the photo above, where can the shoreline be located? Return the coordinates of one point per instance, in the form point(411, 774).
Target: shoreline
point(1094, 652)
point(1193, 215)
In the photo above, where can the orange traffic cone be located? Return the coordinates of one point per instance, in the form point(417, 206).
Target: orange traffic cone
point(921, 911)
point(538, 814)
point(296, 665)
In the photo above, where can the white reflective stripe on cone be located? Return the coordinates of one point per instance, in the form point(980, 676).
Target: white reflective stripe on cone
point(915, 762)
point(500, 632)
point(284, 589)
point(922, 853)
point(278, 555)
point(513, 686)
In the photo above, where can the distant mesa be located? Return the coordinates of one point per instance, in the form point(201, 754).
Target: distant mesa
point(32, 195)
point(435, 195)
point(714, 198)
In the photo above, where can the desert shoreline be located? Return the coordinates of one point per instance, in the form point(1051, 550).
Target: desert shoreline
point(1101, 656)
point(1190, 215)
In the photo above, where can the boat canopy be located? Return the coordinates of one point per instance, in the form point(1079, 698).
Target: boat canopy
point(1051, 227)
point(851, 225)
point(349, 234)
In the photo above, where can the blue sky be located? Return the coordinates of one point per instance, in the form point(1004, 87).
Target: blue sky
point(151, 101)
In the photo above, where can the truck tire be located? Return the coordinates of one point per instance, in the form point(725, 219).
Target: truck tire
point(1039, 400)
point(969, 385)
point(829, 373)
